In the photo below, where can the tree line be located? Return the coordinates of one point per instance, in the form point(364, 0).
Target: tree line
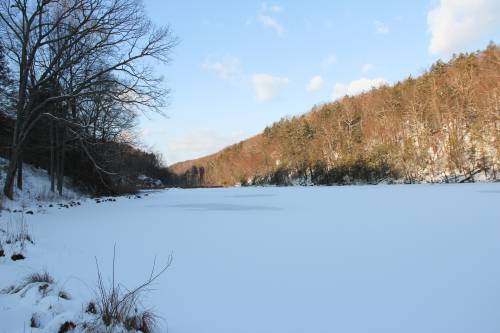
point(74, 76)
point(443, 126)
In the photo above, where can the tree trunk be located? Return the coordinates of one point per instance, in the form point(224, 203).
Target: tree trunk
point(57, 153)
point(52, 158)
point(20, 172)
point(8, 188)
point(60, 176)
point(16, 151)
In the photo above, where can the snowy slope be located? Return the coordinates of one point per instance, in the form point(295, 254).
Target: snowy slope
point(378, 259)
point(36, 188)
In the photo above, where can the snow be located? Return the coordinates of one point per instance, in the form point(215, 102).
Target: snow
point(36, 188)
point(356, 259)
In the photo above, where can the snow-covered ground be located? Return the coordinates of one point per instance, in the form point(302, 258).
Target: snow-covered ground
point(36, 189)
point(388, 259)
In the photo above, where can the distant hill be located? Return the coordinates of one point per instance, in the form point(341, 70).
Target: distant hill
point(442, 126)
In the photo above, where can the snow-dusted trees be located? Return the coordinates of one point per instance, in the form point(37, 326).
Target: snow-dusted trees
point(441, 126)
point(69, 55)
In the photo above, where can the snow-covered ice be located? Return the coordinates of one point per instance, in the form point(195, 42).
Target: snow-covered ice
point(378, 259)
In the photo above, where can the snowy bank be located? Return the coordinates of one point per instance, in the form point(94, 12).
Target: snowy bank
point(36, 189)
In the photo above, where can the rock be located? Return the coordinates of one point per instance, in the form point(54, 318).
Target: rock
point(17, 256)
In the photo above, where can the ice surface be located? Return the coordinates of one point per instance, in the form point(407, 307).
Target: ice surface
point(378, 259)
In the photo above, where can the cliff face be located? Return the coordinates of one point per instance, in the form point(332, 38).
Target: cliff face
point(442, 126)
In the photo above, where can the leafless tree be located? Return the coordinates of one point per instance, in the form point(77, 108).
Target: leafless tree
point(66, 51)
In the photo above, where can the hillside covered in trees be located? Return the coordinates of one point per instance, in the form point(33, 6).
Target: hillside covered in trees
point(443, 126)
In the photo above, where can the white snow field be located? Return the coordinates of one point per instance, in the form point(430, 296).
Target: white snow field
point(359, 259)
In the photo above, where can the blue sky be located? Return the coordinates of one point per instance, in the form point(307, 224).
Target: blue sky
point(241, 66)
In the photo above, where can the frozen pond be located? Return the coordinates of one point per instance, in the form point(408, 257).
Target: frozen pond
point(387, 259)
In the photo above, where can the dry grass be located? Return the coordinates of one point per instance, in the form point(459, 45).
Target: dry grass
point(17, 231)
point(145, 321)
point(68, 326)
point(116, 305)
point(42, 277)
point(39, 278)
point(35, 320)
point(91, 308)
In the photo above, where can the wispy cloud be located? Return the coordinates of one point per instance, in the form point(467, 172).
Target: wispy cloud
point(356, 87)
point(315, 84)
point(381, 28)
point(270, 22)
point(268, 87)
point(271, 8)
point(228, 68)
point(266, 16)
point(199, 142)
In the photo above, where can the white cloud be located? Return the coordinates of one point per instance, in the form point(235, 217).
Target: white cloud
point(270, 22)
point(357, 87)
point(329, 61)
point(367, 68)
point(381, 28)
point(267, 17)
point(315, 84)
point(228, 68)
point(197, 143)
point(268, 87)
point(454, 24)
point(271, 8)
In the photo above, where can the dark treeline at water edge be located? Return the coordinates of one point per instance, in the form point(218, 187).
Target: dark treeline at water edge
point(443, 126)
point(124, 165)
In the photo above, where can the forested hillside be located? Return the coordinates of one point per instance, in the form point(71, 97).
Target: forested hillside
point(441, 127)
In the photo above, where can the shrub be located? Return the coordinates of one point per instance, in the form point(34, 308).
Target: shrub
point(39, 278)
point(43, 277)
point(145, 322)
point(67, 327)
point(18, 231)
point(119, 306)
point(91, 308)
point(35, 320)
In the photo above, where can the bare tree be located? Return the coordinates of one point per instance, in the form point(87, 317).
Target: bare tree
point(73, 49)
point(6, 85)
